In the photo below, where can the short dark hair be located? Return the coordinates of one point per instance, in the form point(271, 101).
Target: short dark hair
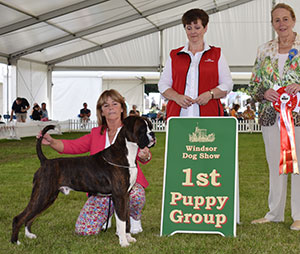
point(193, 15)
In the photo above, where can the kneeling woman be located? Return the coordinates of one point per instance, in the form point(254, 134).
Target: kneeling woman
point(111, 111)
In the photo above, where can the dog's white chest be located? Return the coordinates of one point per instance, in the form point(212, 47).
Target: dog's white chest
point(131, 157)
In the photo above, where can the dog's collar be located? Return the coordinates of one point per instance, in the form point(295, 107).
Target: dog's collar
point(117, 165)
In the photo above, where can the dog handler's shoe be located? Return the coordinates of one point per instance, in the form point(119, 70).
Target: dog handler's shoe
point(135, 226)
point(295, 225)
point(260, 221)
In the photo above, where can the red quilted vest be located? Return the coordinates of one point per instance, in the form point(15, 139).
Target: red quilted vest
point(208, 79)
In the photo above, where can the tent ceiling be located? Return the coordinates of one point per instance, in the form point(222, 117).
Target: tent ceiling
point(75, 33)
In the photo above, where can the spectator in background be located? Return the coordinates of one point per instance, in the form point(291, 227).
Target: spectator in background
point(45, 116)
point(1, 122)
point(20, 107)
point(85, 114)
point(248, 114)
point(134, 108)
point(234, 110)
point(132, 113)
point(161, 115)
point(36, 113)
point(225, 110)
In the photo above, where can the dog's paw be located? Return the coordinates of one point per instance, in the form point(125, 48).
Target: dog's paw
point(29, 234)
point(124, 243)
point(18, 242)
point(129, 238)
point(65, 190)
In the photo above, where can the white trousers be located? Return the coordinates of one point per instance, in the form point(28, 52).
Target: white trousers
point(278, 183)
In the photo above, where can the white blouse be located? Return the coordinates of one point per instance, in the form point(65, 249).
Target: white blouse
point(107, 143)
point(281, 61)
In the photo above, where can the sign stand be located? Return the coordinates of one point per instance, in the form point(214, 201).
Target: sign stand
point(200, 193)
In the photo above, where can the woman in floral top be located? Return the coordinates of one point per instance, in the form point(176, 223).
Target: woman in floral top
point(276, 67)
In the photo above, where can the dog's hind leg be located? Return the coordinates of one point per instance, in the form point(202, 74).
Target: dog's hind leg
point(28, 223)
point(18, 221)
point(35, 206)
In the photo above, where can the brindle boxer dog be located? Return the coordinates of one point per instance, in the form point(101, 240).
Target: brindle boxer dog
point(112, 172)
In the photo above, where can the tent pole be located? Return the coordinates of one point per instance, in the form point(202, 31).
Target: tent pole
point(7, 89)
point(273, 31)
point(161, 52)
point(49, 90)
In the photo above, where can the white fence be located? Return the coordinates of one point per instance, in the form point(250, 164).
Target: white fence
point(248, 126)
point(158, 126)
point(243, 126)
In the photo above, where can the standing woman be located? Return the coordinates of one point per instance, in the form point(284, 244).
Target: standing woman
point(197, 75)
point(111, 111)
point(276, 66)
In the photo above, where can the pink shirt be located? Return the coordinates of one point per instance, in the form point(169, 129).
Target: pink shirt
point(93, 143)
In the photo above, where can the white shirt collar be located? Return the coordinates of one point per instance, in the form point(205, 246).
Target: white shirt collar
point(107, 143)
point(186, 47)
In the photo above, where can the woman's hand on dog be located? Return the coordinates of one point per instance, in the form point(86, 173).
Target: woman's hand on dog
point(56, 144)
point(144, 154)
point(46, 140)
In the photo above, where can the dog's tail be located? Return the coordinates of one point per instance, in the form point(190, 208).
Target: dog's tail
point(39, 151)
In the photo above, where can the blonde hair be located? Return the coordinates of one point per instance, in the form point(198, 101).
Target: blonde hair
point(286, 7)
point(114, 95)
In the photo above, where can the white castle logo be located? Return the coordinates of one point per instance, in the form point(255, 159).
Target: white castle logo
point(200, 135)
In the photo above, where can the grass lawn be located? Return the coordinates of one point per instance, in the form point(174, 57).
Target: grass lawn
point(55, 227)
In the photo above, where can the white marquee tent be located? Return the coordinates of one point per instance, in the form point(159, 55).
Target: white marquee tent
point(38, 37)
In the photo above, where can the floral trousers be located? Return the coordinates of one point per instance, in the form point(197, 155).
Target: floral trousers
point(94, 213)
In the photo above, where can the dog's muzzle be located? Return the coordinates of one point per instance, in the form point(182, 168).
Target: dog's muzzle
point(152, 139)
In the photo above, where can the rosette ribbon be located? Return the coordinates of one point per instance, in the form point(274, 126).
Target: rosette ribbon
point(292, 53)
point(288, 158)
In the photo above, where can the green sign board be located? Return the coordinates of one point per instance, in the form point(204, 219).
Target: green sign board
point(201, 176)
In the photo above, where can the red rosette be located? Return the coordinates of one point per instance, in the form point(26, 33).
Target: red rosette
point(289, 99)
point(288, 157)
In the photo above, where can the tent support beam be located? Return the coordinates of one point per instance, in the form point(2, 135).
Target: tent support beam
point(233, 68)
point(46, 16)
point(106, 68)
point(140, 34)
point(98, 28)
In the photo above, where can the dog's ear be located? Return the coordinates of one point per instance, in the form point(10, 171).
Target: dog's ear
point(136, 129)
point(129, 127)
point(150, 125)
point(143, 139)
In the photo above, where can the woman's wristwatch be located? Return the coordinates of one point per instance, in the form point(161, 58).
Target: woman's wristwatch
point(212, 94)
